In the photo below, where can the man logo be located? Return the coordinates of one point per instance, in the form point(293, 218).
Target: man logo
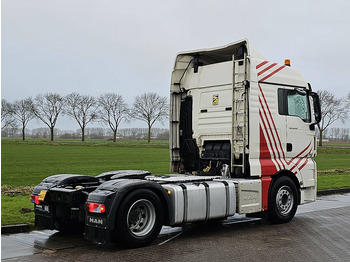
point(97, 221)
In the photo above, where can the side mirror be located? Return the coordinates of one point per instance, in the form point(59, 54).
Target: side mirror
point(301, 91)
point(317, 106)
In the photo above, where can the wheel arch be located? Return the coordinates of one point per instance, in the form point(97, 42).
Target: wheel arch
point(128, 188)
point(286, 173)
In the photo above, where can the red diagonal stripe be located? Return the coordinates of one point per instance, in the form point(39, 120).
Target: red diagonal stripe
point(299, 160)
point(273, 137)
point(273, 122)
point(261, 64)
point(267, 68)
point(274, 72)
point(268, 137)
point(306, 160)
point(290, 161)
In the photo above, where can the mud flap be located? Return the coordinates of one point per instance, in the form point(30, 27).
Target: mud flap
point(98, 235)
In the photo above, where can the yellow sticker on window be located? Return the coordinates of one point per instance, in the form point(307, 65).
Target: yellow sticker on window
point(215, 100)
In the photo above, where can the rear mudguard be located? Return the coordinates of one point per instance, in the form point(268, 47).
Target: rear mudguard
point(112, 194)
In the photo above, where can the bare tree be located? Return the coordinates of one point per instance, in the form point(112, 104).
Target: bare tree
point(7, 119)
point(332, 109)
point(23, 113)
point(347, 102)
point(82, 109)
point(112, 110)
point(150, 107)
point(47, 108)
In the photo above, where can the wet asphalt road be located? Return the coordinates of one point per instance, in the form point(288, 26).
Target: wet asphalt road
point(319, 232)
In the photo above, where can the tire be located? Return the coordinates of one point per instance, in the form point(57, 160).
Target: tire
point(283, 201)
point(139, 219)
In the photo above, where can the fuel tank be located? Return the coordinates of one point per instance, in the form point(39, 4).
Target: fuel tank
point(199, 198)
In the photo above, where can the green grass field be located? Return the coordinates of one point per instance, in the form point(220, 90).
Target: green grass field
point(333, 180)
point(329, 158)
point(11, 207)
point(27, 163)
point(333, 164)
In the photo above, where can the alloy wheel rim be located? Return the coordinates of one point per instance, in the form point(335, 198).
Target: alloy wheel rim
point(141, 217)
point(284, 200)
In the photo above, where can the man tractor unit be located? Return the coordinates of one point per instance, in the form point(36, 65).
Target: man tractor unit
point(242, 141)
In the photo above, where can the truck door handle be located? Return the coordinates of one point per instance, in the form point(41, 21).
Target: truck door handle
point(289, 147)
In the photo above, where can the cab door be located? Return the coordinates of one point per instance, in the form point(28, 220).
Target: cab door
point(299, 132)
point(300, 142)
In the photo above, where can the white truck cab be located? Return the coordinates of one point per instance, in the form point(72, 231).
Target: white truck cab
point(238, 115)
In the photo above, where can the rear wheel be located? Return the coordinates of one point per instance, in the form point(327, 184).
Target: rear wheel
point(139, 219)
point(283, 200)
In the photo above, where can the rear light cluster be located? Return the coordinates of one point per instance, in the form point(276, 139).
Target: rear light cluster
point(96, 207)
point(35, 199)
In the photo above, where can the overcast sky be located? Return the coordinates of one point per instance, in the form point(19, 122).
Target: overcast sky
point(129, 47)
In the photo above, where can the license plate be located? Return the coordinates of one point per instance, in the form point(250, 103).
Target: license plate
point(42, 208)
point(42, 195)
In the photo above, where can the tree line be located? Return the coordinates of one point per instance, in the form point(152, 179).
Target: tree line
point(109, 109)
point(341, 134)
point(105, 133)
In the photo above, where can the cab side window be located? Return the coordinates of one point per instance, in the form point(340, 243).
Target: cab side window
point(291, 103)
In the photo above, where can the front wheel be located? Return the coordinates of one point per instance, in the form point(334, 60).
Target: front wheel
point(139, 219)
point(283, 201)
